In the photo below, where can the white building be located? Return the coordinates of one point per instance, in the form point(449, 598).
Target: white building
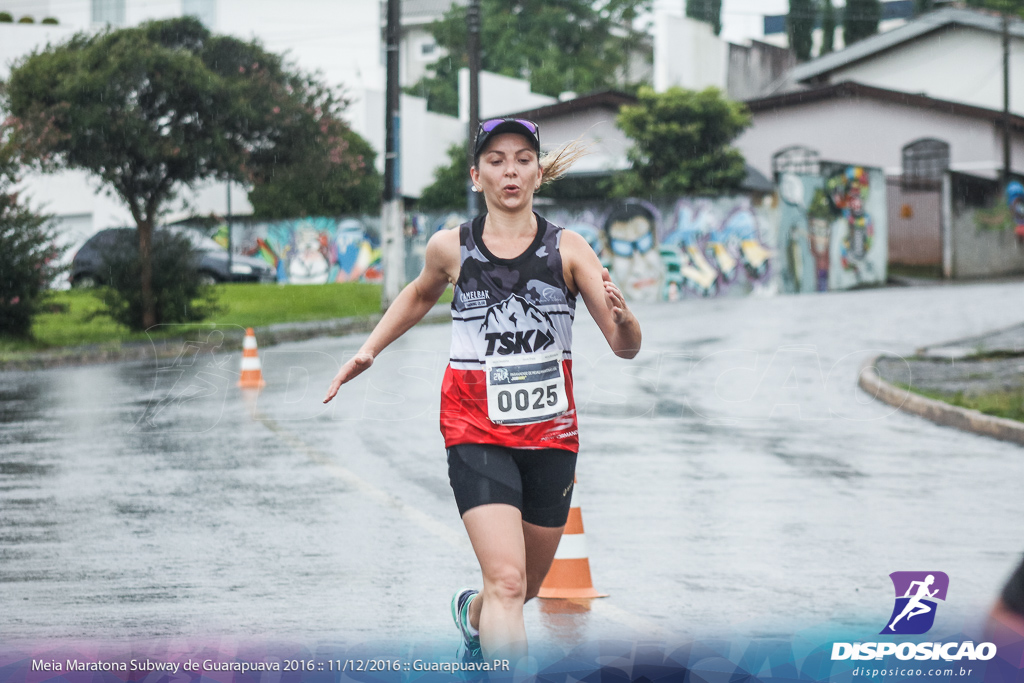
point(938, 77)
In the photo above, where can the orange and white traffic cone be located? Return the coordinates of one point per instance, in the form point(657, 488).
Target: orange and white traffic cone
point(252, 371)
point(569, 576)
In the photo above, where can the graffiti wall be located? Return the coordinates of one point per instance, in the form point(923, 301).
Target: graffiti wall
point(832, 229)
point(311, 251)
point(689, 248)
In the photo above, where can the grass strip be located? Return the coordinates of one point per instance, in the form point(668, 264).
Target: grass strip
point(70, 320)
point(1008, 403)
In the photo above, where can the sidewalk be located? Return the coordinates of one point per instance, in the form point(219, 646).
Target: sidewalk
point(985, 364)
point(170, 347)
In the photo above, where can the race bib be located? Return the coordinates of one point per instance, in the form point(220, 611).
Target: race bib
point(526, 389)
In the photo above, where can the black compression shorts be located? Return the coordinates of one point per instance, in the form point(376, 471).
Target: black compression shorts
point(538, 482)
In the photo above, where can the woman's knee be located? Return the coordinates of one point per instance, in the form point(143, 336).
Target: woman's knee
point(506, 583)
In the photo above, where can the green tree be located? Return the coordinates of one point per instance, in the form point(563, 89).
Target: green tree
point(681, 143)
point(28, 253)
point(828, 28)
point(154, 108)
point(708, 11)
point(448, 191)
point(860, 19)
point(1011, 7)
point(335, 174)
point(800, 26)
point(573, 45)
point(922, 6)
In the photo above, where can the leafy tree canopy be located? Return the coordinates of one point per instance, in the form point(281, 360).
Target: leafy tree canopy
point(153, 108)
point(448, 191)
point(828, 27)
point(860, 19)
point(681, 143)
point(1008, 6)
point(28, 253)
point(709, 11)
point(800, 26)
point(576, 45)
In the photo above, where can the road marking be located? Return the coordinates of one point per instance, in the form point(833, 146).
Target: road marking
point(424, 521)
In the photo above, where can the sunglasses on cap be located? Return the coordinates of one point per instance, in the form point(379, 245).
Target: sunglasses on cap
point(492, 127)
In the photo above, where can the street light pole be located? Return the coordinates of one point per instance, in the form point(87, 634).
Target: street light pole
point(230, 264)
point(1006, 98)
point(473, 48)
point(392, 214)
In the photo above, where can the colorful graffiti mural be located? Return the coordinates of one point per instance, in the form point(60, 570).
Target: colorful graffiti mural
point(832, 229)
point(1015, 200)
point(705, 247)
point(689, 248)
point(310, 250)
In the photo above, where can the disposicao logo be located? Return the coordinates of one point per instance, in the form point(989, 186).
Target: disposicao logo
point(913, 614)
point(916, 593)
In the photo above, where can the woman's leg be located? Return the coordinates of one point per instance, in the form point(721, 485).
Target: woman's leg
point(496, 532)
point(541, 544)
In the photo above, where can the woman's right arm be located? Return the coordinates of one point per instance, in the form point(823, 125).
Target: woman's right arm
point(439, 268)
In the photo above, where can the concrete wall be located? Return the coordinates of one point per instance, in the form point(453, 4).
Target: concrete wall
point(608, 144)
point(873, 133)
point(687, 53)
point(986, 240)
point(499, 95)
point(754, 67)
point(958, 63)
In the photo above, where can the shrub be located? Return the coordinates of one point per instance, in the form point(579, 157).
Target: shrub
point(180, 298)
point(28, 263)
point(6, 18)
point(26, 20)
point(50, 20)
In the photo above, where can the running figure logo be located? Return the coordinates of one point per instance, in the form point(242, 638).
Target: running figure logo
point(916, 593)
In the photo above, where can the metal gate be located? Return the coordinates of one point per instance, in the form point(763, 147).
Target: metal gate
point(915, 221)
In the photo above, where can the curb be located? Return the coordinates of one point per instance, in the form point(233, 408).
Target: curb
point(171, 347)
point(939, 412)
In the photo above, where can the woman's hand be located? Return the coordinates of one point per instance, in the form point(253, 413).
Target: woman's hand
point(613, 297)
point(349, 371)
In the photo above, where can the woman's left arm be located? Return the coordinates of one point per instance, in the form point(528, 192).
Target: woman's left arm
point(603, 299)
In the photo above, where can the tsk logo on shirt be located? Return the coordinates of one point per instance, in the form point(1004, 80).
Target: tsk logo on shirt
point(531, 328)
point(916, 595)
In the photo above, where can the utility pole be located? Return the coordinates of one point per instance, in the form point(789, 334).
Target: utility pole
point(473, 48)
point(392, 210)
point(1006, 98)
point(230, 264)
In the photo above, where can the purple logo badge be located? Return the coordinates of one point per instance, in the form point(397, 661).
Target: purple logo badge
point(916, 593)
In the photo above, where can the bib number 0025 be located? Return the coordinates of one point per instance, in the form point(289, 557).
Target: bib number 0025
point(526, 389)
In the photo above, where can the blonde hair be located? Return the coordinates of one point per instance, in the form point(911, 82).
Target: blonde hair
point(557, 163)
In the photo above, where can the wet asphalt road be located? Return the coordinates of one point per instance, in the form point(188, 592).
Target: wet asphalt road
point(733, 478)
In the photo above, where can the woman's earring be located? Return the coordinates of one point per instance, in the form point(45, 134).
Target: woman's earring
point(476, 189)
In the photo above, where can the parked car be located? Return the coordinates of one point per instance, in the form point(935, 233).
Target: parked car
point(87, 265)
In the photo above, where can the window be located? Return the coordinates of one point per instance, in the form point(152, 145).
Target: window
point(203, 10)
point(796, 159)
point(108, 12)
point(925, 161)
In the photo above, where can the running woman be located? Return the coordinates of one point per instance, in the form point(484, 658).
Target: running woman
point(507, 411)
